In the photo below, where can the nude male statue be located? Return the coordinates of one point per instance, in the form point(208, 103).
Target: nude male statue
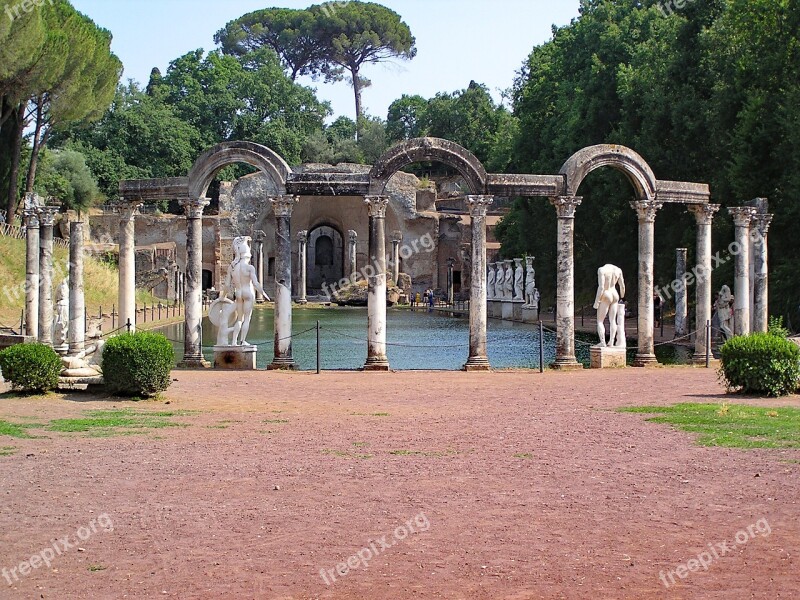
point(607, 303)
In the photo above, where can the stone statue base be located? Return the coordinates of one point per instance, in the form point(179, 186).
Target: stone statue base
point(530, 314)
point(79, 384)
point(494, 310)
point(608, 358)
point(235, 358)
point(508, 310)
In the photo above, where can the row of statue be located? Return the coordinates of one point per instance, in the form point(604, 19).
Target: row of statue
point(510, 284)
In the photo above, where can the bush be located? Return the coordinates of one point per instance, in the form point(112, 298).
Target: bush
point(761, 364)
point(138, 364)
point(31, 367)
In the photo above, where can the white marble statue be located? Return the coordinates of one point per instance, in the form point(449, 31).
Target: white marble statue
point(232, 316)
point(61, 316)
point(622, 340)
point(530, 284)
point(519, 286)
point(499, 282)
point(724, 307)
point(607, 304)
point(89, 362)
point(490, 282)
point(508, 282)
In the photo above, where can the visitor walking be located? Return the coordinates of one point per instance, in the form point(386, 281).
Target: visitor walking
point(657, 310)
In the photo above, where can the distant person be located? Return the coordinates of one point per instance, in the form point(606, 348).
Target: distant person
point(431, 299)
point(658, 309)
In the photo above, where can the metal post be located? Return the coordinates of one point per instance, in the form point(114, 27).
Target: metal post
point(113, 317)
point(541, 346)
point(583, 315)
point(129, 325)
point(708, 345)
point(22, 323)
point(319, 367)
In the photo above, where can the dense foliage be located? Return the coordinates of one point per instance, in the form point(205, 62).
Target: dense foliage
point(31, 367)
point(761, 363)
point(138, 364)
point(708, 93)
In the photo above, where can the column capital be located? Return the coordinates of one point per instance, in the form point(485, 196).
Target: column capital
point(128, 210)
point(47, 215)
point(704, 213)
point(31, 219)
point(397, 237)
point(377, 206)
point(353, 236)
point(762, 222)
point(566, 205)
point(283, 206)
point(479, 205)
point(742, 215)
point(194, 207)
point(302, 236)
point(646, 210)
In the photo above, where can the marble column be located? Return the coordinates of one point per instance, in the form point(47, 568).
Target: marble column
point(283, 206)
point(46, 219)
point(565, 281)
point(302, 249)
point(352, 255)
point(704, 217)
point(681, 294)
point(478, 310)
point(127, 263)
point(761, 223)
point(397, 238)
point(258, 261)
point(742, 217)
point(450, 284)
point(646, 211)
point(376, 294)
point(76, 335)
point(32, 274)
point(193, 296)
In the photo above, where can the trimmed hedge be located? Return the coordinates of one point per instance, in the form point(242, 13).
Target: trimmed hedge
point(761, 363)
point(138, 364)
point(31, 367)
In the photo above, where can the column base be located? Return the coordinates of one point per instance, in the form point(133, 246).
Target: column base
point(646, 360)
point(699, 360)
point(477, 364)
point(282, 364)
point(377, 364)
point(301, 301)
point(194, 363)
point(566, 364)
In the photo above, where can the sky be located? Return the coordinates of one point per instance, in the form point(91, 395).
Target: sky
point(457, 41)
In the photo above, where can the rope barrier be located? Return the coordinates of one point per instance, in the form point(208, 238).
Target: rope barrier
point(396, 344)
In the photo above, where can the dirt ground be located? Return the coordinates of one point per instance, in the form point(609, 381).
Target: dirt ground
point(448, 485)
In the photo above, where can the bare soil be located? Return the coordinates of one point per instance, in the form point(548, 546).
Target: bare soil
point(532, 486)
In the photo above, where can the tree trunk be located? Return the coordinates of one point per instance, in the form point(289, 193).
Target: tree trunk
point(13, 176)
point(38, 142)
point(357, 92)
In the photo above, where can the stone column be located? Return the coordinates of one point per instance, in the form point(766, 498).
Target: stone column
point(193, 296)
point(302, 249)
point(681, 295)
point(77, 304)
point(352, 255)
point(478, 357)
point(742, 217)
point(31, 274)
point(46, 219)
point(450, 291)
point(127, 263)
point(761, 223)
point(283, 206)
point(565, 282)
point(376, 295)
point(646, 211)
point(704, 216)
point(397, 238)
point(258, 261)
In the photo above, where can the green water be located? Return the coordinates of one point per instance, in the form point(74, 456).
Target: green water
point(416, 340)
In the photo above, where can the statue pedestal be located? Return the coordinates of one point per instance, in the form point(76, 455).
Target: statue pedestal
point(530, 314)
point(508, 310)
point(608, 358)
point(495, 310)
point(235, 358)
point(517, 310)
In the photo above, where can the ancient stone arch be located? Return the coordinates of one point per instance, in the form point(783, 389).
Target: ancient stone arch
point(428, 149)
point(623, 159)
point(227, 153)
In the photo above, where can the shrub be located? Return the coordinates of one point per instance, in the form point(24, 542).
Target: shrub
point(777, 329)
point(761, 364)
point(138, 364)
point(31, 367)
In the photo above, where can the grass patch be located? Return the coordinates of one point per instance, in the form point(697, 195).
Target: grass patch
point(730, 426)
point(276, 421)
point(95, 568)
point(360, 444)
point(216, 426)
point(422, 453)
point(524, 455)
point(13, 430)
point(341, 454)
point(7, 450)
point(377, 414)
point(107, 423)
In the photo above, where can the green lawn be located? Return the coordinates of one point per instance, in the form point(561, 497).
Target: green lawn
point(730, 426)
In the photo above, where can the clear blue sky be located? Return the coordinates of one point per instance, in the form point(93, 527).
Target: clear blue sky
point(457, 41)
